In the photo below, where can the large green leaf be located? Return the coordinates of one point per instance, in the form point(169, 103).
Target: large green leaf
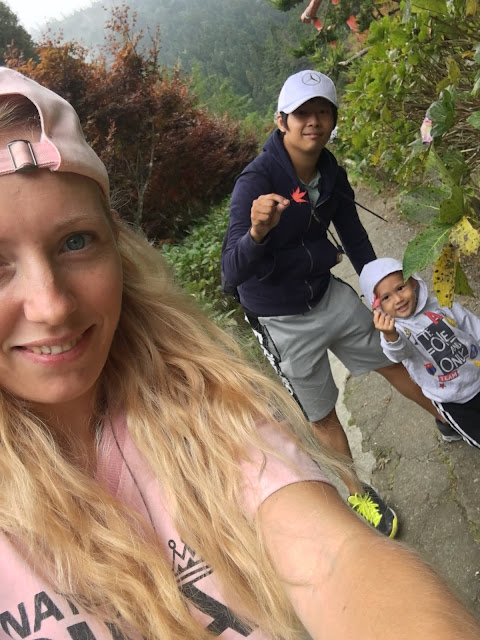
point(454, 73)
point(471, 7)
point(435, 6)
point(465, 237)
point(451, 209)
point(436, 168)
point(474, 119)
point(422, 204)
point(425, 248)
point(442, 114)
point(455, 164)
point(461, 283)
point(476, 86)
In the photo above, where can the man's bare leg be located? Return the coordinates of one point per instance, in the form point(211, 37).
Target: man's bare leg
point(330, 433)
point(398, 377)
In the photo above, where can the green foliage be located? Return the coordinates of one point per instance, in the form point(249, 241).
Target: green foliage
point(423, 203)
point(215, 93)
point(424, 62)
point(474, 119)
point(196, 265)
point(442, 113)
point(425, 248)
point(12, 34)
point(448, 209)
point(335, 43)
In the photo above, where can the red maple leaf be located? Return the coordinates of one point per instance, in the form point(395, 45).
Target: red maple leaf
point(352, 23)
point(297, 195)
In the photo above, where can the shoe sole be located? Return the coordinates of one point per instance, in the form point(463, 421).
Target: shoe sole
point(394, 530)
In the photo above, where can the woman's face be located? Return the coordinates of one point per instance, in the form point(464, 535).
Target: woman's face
point(60, 287)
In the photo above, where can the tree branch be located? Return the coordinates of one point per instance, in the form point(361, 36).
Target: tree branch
point(362, 52)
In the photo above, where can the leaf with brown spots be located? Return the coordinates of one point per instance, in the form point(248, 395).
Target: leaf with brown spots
point(465, 237)
point(444, 275)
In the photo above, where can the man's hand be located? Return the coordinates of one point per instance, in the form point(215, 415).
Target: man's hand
point(386, 324)
point(310, 12)
point(306, 17)
point(265, 214)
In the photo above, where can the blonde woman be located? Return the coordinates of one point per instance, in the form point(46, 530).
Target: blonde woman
point(149, 485)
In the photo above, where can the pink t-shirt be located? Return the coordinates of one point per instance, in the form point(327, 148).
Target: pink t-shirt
point(30, 608)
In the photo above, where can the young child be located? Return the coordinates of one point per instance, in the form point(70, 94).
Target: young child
point(438, 346)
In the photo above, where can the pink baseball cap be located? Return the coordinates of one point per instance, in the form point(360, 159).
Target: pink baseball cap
point(62, 145)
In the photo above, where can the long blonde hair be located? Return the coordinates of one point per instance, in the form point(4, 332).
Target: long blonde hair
point(192, 404)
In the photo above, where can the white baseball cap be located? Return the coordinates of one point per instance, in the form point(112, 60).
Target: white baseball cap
point(304, 86)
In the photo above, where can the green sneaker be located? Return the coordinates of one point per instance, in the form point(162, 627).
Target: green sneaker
point(371, 507)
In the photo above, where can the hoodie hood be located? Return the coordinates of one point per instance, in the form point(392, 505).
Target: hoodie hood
point(275, 149)
point(380, 268)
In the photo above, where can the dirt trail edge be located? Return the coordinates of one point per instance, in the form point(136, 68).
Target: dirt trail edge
point(433, 486)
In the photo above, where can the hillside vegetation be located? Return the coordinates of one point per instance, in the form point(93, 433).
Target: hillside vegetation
point(245, 42)
point(394, 62)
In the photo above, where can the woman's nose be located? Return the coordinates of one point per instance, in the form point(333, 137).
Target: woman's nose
point(47, 298)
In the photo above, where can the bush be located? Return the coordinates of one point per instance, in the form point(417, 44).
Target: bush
point(196, 265)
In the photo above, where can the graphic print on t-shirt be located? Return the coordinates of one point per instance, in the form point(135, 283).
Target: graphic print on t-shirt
point(189, 570)
point(58, 615)
point(45, 615)
point(444, 347)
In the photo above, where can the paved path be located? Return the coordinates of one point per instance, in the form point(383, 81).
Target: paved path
point(433, 486)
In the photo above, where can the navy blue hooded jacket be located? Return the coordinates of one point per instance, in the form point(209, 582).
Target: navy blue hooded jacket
point(289, 272)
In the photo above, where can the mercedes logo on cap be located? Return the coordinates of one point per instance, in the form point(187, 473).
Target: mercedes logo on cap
point(311, 78)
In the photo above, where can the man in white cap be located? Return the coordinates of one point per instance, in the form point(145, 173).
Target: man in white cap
point(278, 254)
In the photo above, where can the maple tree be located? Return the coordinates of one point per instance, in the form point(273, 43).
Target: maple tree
point(167, 159)
point(12, 34)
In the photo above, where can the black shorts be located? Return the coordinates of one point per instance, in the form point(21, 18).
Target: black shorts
point(464, 418)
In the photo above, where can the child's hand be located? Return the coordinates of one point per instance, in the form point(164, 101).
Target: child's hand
point(386, 324)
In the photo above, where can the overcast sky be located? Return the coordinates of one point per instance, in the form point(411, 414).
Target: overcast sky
point(33, 14)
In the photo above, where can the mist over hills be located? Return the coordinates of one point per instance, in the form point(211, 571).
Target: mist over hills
point(246, 41)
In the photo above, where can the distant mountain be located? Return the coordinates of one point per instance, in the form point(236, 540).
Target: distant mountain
point(246, 41)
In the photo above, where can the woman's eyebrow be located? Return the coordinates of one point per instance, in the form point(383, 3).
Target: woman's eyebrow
point(74, 218)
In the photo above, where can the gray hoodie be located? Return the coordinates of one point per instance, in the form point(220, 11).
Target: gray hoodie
point(438, 346)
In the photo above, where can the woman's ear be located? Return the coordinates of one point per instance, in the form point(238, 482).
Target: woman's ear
point(115, 215)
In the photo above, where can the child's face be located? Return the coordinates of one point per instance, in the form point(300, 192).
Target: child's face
point(397, 298)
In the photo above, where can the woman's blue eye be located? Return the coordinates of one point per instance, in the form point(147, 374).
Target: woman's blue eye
point(76, 242)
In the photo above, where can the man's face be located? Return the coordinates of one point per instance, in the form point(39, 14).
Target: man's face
point(308, 128)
